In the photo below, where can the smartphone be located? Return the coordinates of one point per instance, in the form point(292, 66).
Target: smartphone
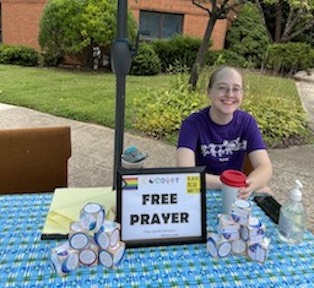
point(269, 205)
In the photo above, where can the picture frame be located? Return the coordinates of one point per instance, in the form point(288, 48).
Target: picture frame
point(161, 206)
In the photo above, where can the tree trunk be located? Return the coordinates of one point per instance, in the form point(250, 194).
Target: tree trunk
point(261, 11)
point(199, 62)
point(278, 21)
point(291, 24)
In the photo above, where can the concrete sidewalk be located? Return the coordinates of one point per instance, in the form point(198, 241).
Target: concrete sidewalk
point(91, 163)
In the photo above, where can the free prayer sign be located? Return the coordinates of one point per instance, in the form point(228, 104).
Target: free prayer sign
point(159, 206)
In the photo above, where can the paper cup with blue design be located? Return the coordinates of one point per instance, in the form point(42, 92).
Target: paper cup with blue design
point(232, 181)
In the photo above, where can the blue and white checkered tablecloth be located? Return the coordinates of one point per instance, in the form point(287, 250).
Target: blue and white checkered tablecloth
point(25, 259)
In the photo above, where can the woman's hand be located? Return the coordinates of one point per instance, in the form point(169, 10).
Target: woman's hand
point(260, 176)
point(246, 192)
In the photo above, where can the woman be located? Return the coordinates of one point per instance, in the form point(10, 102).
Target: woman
point(220, 135)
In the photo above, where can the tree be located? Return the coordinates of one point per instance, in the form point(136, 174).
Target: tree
point(75, 27)
point(291, 18)
point(217, 10)
point(248, 36)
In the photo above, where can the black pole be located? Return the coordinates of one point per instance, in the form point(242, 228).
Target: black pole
point(122, 31)
point(121, 64)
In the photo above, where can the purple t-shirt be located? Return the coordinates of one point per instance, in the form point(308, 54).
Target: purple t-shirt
point(220, 147)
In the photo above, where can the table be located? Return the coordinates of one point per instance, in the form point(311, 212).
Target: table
point(25, 259)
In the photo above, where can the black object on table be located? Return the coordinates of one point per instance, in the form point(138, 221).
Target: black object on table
point(269, 205)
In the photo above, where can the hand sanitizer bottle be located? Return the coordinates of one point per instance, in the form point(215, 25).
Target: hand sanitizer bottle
point(292, 217)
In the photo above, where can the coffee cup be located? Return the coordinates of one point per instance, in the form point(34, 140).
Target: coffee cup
point(232, 181)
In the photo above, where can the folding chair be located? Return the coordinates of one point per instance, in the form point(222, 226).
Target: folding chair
point(34, 159)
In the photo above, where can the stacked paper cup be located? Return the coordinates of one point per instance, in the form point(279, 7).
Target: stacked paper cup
point(92, 240)
point(239, 233)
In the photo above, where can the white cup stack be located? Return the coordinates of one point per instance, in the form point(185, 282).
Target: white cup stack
point(239, 233)
point(92, 240)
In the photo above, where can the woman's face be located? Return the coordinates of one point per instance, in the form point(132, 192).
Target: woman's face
point(226, 92)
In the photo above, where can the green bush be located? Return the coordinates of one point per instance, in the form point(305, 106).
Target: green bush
point(288, 58)
point(74, 27)
point(160, 112)
point(224, 56)
point(18, 55)
point(248, 36)
point(146, 62)
point(182, 49)
point(52, 58)
point(278, 117)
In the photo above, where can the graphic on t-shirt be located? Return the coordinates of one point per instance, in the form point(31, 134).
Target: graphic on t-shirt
point(223, 150)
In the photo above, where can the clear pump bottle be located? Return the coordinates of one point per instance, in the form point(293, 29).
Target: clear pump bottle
point(292, 217)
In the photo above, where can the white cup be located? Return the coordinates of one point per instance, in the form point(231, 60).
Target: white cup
point(232, 181)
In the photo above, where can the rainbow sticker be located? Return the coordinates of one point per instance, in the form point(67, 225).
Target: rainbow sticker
point(130, 183)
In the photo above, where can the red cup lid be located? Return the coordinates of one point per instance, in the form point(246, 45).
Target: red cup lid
point(233, 178)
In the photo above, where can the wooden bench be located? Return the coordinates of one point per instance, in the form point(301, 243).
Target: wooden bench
point(34, 159)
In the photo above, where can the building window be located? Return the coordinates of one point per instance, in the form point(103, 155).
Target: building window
point(160, 25)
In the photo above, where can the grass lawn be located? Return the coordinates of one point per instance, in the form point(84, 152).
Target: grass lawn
point(83, 96)
point(90, 96)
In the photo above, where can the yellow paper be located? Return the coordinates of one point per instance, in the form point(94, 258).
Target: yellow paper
point(67, 203)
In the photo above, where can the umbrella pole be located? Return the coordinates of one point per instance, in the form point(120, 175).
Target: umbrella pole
point(121, 64)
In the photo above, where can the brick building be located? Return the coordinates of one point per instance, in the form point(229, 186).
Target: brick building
point(19, 20)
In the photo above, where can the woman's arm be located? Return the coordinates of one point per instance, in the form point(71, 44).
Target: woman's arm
point(185, 157)
point(261, 174)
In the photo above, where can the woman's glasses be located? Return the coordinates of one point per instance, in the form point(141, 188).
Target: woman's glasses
point(224, 89)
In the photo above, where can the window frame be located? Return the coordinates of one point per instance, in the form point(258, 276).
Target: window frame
point(160, 24)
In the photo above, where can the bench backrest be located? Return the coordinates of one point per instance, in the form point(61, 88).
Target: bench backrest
point(34, 159)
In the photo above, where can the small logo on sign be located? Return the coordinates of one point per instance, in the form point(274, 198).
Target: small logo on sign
point(130, 183)
point(193, 184)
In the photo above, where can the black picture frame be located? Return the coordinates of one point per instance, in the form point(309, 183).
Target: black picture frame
point(188, 188)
